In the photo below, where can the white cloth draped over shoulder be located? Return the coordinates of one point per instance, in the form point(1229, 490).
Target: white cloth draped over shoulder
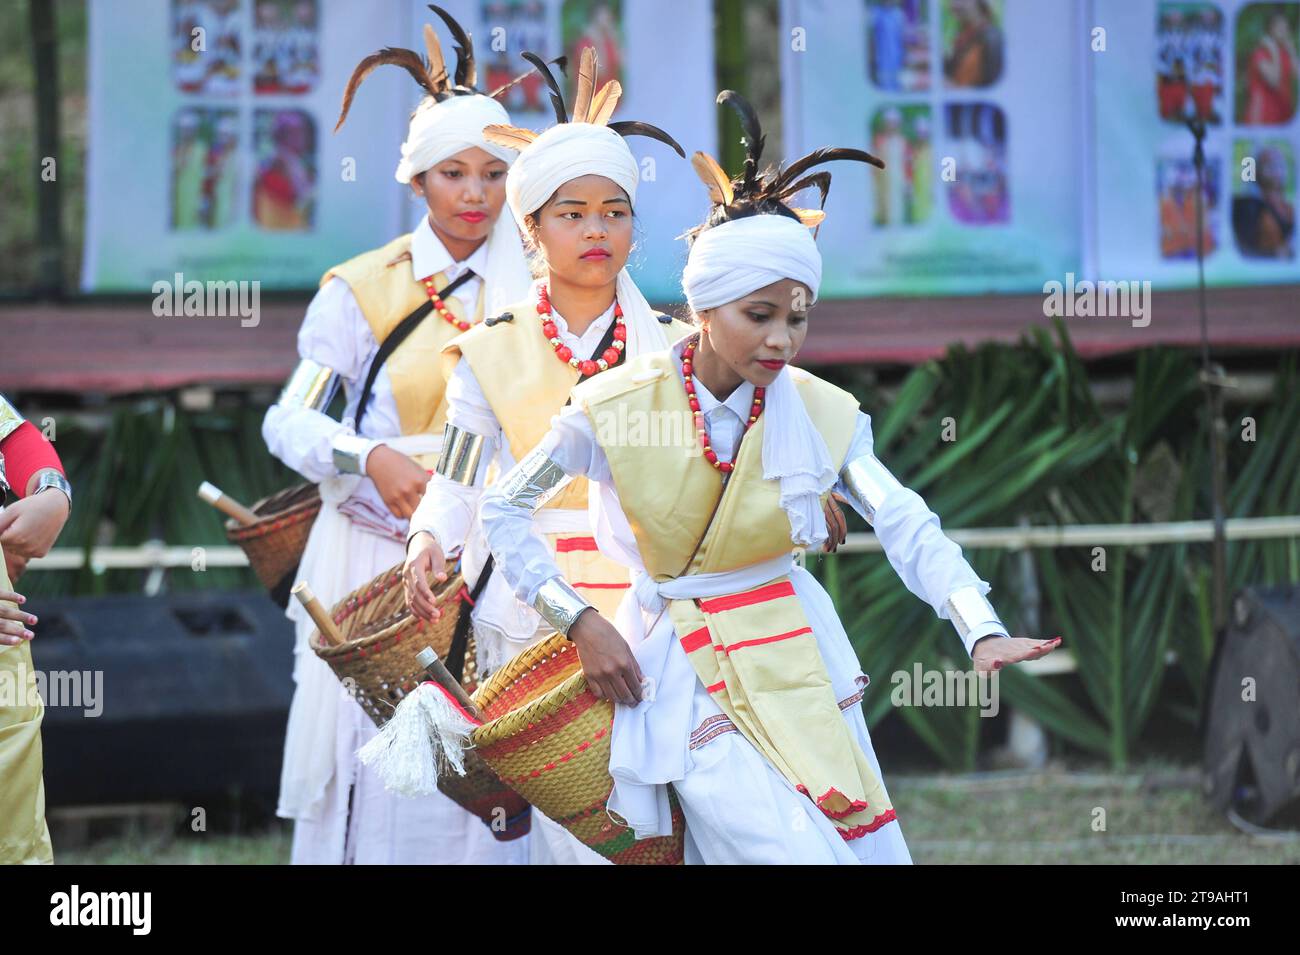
point(727, 262)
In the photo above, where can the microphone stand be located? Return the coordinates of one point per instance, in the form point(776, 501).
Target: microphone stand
point(1213, 381)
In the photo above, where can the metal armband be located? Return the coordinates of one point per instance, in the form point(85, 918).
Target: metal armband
point(52, 479)
point(311, 386)
point(533, 481)
point(10, 419)
point(559, 604)
point(967, 609)
point(349, 452)
point(869, 482)
point(461, 452)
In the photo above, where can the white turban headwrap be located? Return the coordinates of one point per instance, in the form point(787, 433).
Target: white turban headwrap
point(733, 259)
point(442, 129)
point(726, 263)
point(564, 153)
point(439, 131)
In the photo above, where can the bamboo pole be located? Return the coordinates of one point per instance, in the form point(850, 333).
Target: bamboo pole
point(319, 615)
point(211, 494)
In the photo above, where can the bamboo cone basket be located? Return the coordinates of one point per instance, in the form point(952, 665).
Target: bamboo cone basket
point(275, 543)
point(377, 662)
point(548, 737)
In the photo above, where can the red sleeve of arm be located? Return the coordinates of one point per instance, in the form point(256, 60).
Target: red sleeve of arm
point(27, 451)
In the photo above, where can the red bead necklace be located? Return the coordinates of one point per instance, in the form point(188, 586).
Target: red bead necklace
point(441, 306)
point(609, 357)
point(756, 409)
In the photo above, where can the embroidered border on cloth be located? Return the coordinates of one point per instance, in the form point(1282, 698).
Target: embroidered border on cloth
point(711, 729)
point(863, 682)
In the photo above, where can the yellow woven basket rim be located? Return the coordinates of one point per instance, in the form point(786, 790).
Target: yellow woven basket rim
point(507, 724)
point(453, 584)
point(308, 502)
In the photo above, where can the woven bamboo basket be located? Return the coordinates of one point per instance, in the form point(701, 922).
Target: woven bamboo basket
point(274, 544)
point(548, 737)
point(377, 661)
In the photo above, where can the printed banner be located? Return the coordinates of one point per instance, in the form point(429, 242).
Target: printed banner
point(1231, 65)
point(212, 151)
point(973, 105)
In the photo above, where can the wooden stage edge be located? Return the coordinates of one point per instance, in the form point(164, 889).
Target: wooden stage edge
point(119, 346)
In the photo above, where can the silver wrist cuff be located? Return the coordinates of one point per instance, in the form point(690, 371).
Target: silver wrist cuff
point(4, 484)
point(311, 386)
point(53, 479)
point(869, 482)
point(533, 481)
point(559, 604)
point(461, 453)
point(967, 609)
point(350, 452)
point(10, 419)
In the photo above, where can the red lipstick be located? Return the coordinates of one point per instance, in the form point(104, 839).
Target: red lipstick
point(595, 254)
point(773, 364)
point(472, 216)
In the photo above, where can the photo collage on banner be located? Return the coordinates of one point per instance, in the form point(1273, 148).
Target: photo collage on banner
point(1228, 64)
point(209, 38)
point(965, 102)
point(236, 171)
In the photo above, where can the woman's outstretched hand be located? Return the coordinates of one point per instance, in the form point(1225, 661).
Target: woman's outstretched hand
point(611, 669)
point(993, 653)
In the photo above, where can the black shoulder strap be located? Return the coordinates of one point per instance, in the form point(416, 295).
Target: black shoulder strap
point(460, 636)
point(398, 335)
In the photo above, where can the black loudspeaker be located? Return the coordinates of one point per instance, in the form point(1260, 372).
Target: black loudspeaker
point(193, 695)
point(1252, 739)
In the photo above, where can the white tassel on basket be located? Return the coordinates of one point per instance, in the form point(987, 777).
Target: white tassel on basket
point(426, 737)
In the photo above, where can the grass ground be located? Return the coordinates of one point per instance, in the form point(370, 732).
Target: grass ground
point(1152, 815)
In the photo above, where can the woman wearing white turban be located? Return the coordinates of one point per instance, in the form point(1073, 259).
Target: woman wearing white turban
point(373, 467)
point(572, 190)
point(735, 680)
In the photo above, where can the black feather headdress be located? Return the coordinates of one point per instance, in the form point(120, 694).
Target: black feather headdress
point(430, 71)
point(777, 184)
point(590, 105)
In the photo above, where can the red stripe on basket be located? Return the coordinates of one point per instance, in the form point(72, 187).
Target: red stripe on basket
point(761, 640)
point(696, 639)
point(537, 731)
point(566, 544)
point(720, 685)
point(583, 747)
point(782, 588)
point(603, 586)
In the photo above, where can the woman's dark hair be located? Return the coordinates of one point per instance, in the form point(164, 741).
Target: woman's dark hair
point(741, 209)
